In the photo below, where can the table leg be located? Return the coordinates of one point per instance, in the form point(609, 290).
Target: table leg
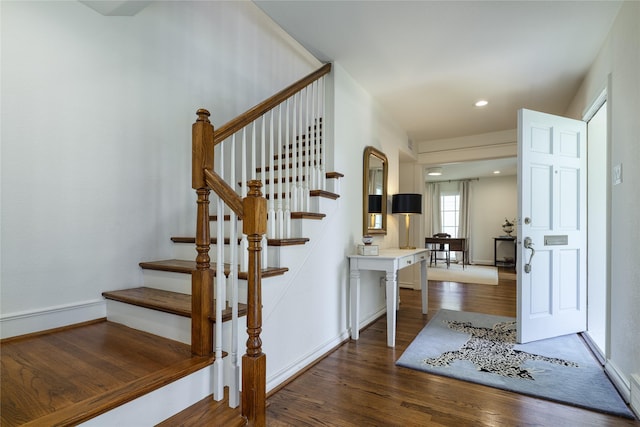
point(392, 303)
point(354, 288)
point(424, 286)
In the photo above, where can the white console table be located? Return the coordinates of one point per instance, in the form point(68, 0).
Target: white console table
point(389, 261)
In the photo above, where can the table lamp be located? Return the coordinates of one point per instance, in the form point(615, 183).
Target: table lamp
point(407, 204)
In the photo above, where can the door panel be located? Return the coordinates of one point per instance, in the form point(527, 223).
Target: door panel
point(552, 213)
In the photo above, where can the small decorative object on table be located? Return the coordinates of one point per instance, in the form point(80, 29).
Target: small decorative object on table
point(508, 226)
point(370, 250)
point(367, 239)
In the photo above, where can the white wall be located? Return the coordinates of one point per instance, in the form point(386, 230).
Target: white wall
point(492, 200)
point(96, 147)
point(359, 122)
point(96, 134)
point(620, 57)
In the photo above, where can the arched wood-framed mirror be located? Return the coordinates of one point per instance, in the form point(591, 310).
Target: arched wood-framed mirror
point(374, 191)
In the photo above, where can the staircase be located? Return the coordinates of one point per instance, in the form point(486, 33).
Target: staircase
point(210, 299)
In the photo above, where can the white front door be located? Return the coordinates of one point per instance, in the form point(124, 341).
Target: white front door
point(552, 291)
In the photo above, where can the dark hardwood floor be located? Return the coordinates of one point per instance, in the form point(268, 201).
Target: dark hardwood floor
point(356, 385)
point(360, 385)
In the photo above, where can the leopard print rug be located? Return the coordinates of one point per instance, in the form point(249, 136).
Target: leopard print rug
point(491, 350)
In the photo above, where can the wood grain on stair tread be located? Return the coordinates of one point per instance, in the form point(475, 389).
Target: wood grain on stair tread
point(312, 193)
point(324, 193)
point(214, 240)
point(288, 242)
point(71, 375)
point(271, 242)
point(161, 300)
point(307, 215)
point(156, 299)
point(186, 266)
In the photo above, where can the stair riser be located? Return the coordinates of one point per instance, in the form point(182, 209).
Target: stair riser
point(321, 205)
point(167, 281)
point(181, 282)
point(172, 326)
point(188, 251)
point(155, 322)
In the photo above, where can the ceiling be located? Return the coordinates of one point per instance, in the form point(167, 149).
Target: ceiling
point(427, 62)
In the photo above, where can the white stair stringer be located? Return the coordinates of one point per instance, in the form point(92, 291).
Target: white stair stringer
point(160, 404)
point(290, 356)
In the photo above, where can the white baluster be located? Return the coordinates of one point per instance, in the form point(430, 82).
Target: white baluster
point(279, 176)
point(287, 174)
point(271, 213)
point(218, 365)
point(234, 386)
point(263, 168)
point(294, 157)
point(322, 133)
point(307, 172)
point(313, 136)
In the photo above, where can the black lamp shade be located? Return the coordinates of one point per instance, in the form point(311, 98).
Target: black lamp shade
point(375, 203)
point(406, 203)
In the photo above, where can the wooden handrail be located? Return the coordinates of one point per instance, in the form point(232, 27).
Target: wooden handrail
point(232, 126)
point(225, 192)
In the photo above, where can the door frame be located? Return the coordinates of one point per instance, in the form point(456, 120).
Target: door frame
point(602, 354)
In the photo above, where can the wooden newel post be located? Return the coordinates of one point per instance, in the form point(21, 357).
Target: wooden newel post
point(202, 277)
point(254, 362)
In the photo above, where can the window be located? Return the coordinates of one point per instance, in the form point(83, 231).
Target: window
point(450, 213)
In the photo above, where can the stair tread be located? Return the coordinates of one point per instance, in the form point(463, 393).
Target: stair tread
point(187, 239)
point(271, 242)
point(91, 369)
point(288, 242)
point(312, 193)
point(294, 215)
point(161, 300)
point(186, 266)
point(307, 215)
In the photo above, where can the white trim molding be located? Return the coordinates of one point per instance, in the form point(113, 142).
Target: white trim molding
point(27, 322)
point(311, 358)
point(617, 378)
point(492, 145)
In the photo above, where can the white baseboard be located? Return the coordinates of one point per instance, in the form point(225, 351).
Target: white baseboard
point(617, 378)
point(27, 322)
point(597, 352)
point(294, 368)
point(635, 394)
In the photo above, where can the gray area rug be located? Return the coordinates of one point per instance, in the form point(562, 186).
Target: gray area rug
point(481, 348)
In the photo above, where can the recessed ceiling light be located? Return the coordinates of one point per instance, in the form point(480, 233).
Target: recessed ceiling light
point(481, 103)
point(434, 171)
point(496, 172)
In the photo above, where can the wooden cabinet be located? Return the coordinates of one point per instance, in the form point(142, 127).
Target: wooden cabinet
point(504, 252)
